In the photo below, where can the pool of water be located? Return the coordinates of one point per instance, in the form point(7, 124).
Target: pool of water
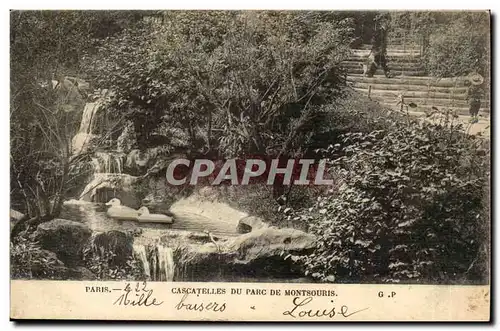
point(94, 216)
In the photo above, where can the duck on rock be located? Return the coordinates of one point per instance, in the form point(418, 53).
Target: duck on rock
point(145, 216)
point(117, 211)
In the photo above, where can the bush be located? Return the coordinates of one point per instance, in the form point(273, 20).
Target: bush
point(459, 46)
point(409, 207)
point(353, 113)
point(101, 262)
point(28, 260)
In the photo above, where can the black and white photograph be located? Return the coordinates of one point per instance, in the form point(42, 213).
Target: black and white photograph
point(250, 146)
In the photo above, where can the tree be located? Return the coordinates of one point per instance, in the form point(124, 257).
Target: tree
point(46, 47)
point(239, 82)
point(459, 44)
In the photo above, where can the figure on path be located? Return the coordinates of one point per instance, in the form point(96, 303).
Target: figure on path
point(474, 95)
point(379, 45)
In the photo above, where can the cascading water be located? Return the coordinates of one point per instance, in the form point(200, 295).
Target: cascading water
point(81, 139)
point(107, 162)
point(108, 168)
point(157, 262)
point(109, 181)
point(166, 263)
point(140, 254)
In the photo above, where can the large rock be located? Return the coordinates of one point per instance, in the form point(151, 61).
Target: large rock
point(251, 223)
point(106, 186)
point(271, 242)
point(260, 253)
point(65, 238)
point(117, 242)
point(15, 217)
point(220, 212)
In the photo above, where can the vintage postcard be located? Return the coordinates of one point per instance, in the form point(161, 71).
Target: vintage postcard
point(250, 165)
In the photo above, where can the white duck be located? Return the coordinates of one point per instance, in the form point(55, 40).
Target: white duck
point(145, 216)
point(117, 211)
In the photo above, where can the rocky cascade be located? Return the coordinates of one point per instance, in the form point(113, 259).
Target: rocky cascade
point(82, 138)
point(108, 180)
point(157, 262)
point(208, 240)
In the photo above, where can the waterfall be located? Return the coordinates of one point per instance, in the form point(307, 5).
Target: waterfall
point(105, 162)
point(84, 134)
point(157, 261)
point(108, 176)
point(88, 117)
point(140, 254)
point(166, 263)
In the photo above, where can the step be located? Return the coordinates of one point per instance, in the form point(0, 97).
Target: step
point(407, 80)
point(392, 47)
point(354, 71)
point(420, 102)
point(415, 94)
point(392, 66)
point(397, 59)
point(409, 87)
point(412, 53)
point(484, 112)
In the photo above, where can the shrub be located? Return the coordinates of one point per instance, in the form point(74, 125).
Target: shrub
point(100, 261)
point(29, 260)
point(459, 46)
point(408, 206)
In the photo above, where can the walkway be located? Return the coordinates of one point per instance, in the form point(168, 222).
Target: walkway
point(411, 83)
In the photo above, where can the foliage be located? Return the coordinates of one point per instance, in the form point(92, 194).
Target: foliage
point(407, 208)
point(235, 82)
point(28, 260)
point(46, 47)
point(411, 26)
point(408, 201)
point(100, 262)
point(459, 46)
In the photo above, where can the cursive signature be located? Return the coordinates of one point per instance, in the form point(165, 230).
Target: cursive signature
point(140, 296)
point(299, 310)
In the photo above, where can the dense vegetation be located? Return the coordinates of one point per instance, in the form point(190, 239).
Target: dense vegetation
point(409, 205)
point(409, 200)
point(458, 45)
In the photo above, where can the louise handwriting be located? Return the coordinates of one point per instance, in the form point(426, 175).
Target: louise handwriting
point(299, 309)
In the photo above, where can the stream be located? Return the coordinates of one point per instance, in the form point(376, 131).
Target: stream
point(156, 243)
point(94, 216)
point(156, 258)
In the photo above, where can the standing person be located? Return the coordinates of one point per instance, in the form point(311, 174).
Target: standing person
point(474, 95)
point(379, 45)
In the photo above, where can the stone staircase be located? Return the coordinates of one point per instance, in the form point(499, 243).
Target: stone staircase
point(409, 80)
